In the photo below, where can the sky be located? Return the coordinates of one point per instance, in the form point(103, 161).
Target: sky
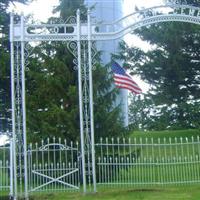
point(3, 138)
point(39, 8)
point(129, 6)
point(42, 10)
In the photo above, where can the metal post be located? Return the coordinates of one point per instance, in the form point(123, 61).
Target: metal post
point(24, 109)
point(81, 100)
point(91, 101)
point(11, 168)
point(13, 103)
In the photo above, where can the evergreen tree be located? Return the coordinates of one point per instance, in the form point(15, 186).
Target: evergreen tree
point(172, 70)
point(107, 119)
point(52, 96)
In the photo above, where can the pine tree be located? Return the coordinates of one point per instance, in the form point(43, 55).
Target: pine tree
point(172, 70)
point(52, 93)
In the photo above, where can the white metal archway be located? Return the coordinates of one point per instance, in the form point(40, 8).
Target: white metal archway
point(80, 38)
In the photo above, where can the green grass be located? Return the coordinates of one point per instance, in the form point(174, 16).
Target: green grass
point(4, 178)
point(166, 134)
point(157, 193)
point(168, 137)
point(4, 195)
point(190, 192)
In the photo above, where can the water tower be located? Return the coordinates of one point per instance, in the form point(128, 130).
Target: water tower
point(106, 11)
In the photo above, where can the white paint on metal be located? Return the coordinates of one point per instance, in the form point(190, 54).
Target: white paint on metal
point(55, 167)
point(24, 110)
point(11, 169)
point(81, 100)
point(111, 31)
point(13, 104)
point(91, 102)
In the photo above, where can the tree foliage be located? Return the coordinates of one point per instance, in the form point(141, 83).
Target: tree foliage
point(107, 118)
point(172, 69)
point(52, 90)
point(52, 106)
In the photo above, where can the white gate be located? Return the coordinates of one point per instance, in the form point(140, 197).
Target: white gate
point(53, 166)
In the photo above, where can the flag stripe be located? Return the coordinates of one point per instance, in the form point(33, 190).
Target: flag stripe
point(118, 79)
point(123, 80)
point(121, 84)
point(128, 88)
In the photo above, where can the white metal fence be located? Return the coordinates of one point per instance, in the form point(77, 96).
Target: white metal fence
point(53, 166)
point(5, 169)
point(146, 161)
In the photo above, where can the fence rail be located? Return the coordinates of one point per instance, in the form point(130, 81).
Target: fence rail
point(147, 161)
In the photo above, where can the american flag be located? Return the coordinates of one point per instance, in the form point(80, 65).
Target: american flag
point(123, 80)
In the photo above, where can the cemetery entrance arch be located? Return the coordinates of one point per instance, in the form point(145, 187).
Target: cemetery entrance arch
point(81, 39)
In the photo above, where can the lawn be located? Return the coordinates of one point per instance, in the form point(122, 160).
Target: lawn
point(158, 193)
point(187, 192)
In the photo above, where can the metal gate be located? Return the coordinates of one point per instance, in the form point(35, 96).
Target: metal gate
point(53, 166)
